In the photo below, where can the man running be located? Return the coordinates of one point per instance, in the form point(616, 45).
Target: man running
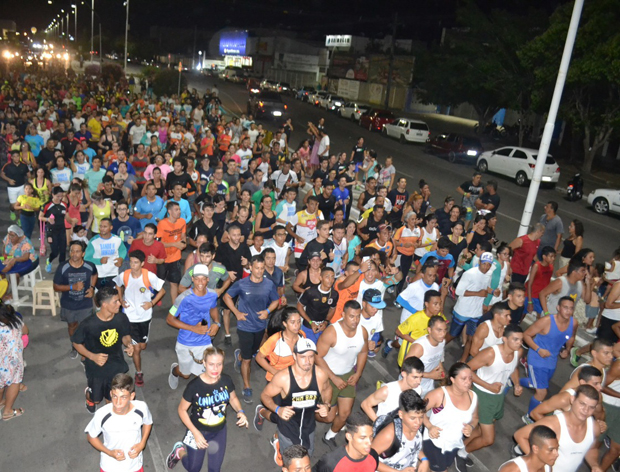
point(107, 251)
point(544, 447)
point(171, 232)
point(296, 459)
point(317, 305)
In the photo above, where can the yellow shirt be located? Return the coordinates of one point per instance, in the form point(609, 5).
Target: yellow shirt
point(415, 326)
point(95, 128)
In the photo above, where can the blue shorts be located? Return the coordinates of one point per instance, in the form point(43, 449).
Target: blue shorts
point(540, 377)
point(591, 312)
point(459, 322)
point(536, 307)
point(311, 334)
point(469, 214)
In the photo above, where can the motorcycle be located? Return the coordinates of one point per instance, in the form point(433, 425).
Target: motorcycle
point(574, 191)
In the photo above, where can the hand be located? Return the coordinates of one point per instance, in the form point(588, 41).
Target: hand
point(602, 425)
point(241, 316)
point(118, 261)
point(151, 259)
point(282, 302)
point(11, 182)
point(125, 304)
point(299, 239)
point(244, 261)
point(563, 353)
point(263, 315)
point(242, 420)
point(354, 379)
point(339, 383)
point(78, 286)
point(436, 373)
point(233, 276)
point(213, 330)
point(147, 305)
point(315, 327)
point(104, 260)
point(497, 292)
point(129, 350)
point(434, 432)
point(100, 359)
point(117, 454)
point(323, 410)
point(149, 216)
point(199, 439)
point(496, 387)
point(543, 353)
point(130, 240)
point(135, 451)
point(89, 293)
point(286, 412)
point(518, 390)
point(467, 430)
point(200, 329)
point(372, 345)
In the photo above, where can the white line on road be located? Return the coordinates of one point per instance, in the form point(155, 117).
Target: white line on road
point(233, 100)
point(154, 447)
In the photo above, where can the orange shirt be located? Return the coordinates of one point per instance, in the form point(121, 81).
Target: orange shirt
point(278, 353)
point(344, 295)
point(167, 233)
point(206, 147)
point(224, 141)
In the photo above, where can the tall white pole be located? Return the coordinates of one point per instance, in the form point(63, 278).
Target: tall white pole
point(92, 31)
point(75, 11)
point(68, 28)
point(543, 151)
point(126, 34)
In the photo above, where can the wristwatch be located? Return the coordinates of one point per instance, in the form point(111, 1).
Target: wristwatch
point(219, 325)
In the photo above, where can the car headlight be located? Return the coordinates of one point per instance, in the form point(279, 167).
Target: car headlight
point(338, 104)
point(472, 152)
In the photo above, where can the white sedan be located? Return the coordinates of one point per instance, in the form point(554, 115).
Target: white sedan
point(518, 163)
point(407, 130)
point(605, 200)
point(352, 110)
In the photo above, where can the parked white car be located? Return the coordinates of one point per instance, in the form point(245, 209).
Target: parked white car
point(407, 130)
point(324, 100)
point(605, 200)
point(318, 97)
point(352, 110)
point(518, 163)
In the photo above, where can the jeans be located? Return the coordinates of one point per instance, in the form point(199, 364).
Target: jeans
point(27, 223)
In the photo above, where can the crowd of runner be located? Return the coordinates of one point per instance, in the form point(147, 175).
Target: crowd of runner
point(141, 201)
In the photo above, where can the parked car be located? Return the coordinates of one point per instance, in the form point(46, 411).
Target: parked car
point(352, 110)
point(518, 163)
point(334, 102)
point(456, 146)
point(283, 87)
point(265, 104)
point(374, 119)
point(268, 84)
point(317, 97)
point(304, 92)
point(324, 100)
point(253, 86)
point(407, 130)
point(605, 200)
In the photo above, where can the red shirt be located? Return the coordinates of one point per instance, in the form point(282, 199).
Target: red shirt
point(157, 249)
point(542, 278)
point(523, 257)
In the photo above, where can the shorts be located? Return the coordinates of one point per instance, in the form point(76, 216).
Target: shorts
point(612, 418)
point(314, 337)
point(536, 306)
point(540, 376)
point(285, 442)
point(490, 407)
point(249, 343)
point(15, 192)
point(99, 387)
point(437, 460)
point(187, 357)
point(105, 282)
point(171, 272)
point(469, 215)
point(75, 316)
point(458, 323)
point(140, 332)
point(520, 278)
point(347, 392)
point(604, 330)
point(591, 312)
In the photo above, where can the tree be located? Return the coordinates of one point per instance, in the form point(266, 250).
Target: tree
point(591, 100)
point(167, 82)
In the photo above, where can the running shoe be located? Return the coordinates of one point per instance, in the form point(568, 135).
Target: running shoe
point(574, 358)
point(386, 349)
point(174, 457)
point(173, 380)
point(331, 443)
point(228, 340)
point(238, 361)
point(90, 406)
point(372, 354)
point(247, 396)
point(48, 266)
point(277, 457)
point(459, 464)
point(527, 419)
point(73, 354)
point(258, 419)
point(139, 380)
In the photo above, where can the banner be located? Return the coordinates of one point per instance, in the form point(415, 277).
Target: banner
point(401, 72)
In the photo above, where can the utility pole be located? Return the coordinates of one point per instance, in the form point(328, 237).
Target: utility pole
point(194, 51)
point(92, 30)
point(126, 33)
point(391, 66)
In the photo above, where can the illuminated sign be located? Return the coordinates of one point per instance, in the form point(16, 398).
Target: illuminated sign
point(233, 43)
point(338, 40)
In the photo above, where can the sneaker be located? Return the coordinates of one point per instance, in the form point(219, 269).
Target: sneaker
point(238, 361)
point(173, 457)
point(616, 465)
point(139, 380)
point(73, 354)
point(460, 464)
point(386, 349)
point(90, 406)
point(13, 216)
point(523, 362)
point(591, 330)
point(258, 419)
point(372, 354)
point(228, 340)
point(607, 442)
point(331, 443)
point(527, 419)
point(48, 266)
point(247, 396)
point(173, 380)
point(277, 457)
point(574, 358)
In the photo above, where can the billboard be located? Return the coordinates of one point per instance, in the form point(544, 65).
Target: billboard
point(402, 69)
point(338, 41)
point(348, 66)
point(232, 43)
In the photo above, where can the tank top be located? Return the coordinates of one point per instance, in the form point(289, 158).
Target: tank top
point(266, 222)
point(74, 212)
point(552, 342)
point(491, 339)
point(568, 250)
point(431, 358)
point(40, 190)
point(522, 465)
point(427, 240)
point(541, 279)
point(99, 214)
point(343, 356)
point(309, 283)
point(499, 371)
point(613, 275)
point(615, 385)
point(571, 453)
point(448, 419)
point(612, 313)
point(523, 257)
point(571, 290)
point(304, 402)
point(391, 402)
point(407, 454)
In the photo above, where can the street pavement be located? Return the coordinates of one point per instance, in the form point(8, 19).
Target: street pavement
point(49, 436)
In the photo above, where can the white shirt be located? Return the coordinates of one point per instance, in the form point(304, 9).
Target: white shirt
point(281, 252)
point(414, 295)
point(377, 285)
point(136, 294)
point(137, 132)
point(323, 146)
point(473, 281)
point(387, 204)
point(280, 180)
point(77, 122)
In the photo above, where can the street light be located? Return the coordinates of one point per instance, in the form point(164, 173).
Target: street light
point(92, 31)
point(75, 11)
point(126, 33)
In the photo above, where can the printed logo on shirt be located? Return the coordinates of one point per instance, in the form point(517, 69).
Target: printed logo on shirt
point(305, 399)
point(108, 337)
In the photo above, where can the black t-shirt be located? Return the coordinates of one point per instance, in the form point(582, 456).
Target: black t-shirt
point(200, 227)
point(372, 228)
point(231, 258)
point(358, 153)
point(246, 228)
point(317, 303)
point(184, 180)
point(398, 200)
point(493, 199)
point(515, 315)
point(319, 173)
point(104, 337)
point(443, 222)
point(209, 402)
point(366, 196)
point(66, 274)
point(18, 173)
point(116, 195)
point(59, 211)
point(326, 205)
point(339, 461)
point(314, 246)
point(45, 156)
point(469, 187)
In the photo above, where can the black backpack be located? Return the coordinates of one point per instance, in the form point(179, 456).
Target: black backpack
point(384, 421)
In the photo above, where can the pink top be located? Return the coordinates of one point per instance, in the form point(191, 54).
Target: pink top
point(165, 170)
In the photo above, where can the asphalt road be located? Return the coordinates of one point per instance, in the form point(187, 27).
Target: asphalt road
point(50, 434)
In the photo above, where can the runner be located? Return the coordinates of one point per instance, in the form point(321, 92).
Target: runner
point(544, 446)
point(107, 252)
point(171, 232)
point(296, 459)
point(317, 305)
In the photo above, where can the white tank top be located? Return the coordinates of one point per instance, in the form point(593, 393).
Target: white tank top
point(603, 371)
point(522, 465)
point(450, 419)
point(499, 371)
point(571, 454)
point(431, 359)
point(612, 313)
point(615, 385)
point(343, 356)
point(491, 339)
point(612, 275)
point(391, 402)
point(427, 240)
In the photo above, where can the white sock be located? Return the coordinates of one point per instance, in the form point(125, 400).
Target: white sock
point(462, 453)
point(330, 434)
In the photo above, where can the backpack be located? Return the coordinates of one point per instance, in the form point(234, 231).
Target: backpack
point(384, 421)
point(145, 278)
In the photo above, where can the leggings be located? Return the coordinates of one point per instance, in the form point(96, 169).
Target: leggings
point(194, 458)
point(405, 265)
point(58, 245)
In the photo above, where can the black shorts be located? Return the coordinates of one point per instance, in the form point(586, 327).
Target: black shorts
point(604, 330)
point(99, 388)
point(249, 343)
point(171, 272)
point(104, 282)
point(140, 332)
point(438, 461)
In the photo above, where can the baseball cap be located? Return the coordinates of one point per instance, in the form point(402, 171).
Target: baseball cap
point(486, 257)
point(384, 226)
point(105, 118)
point(373, 297)
point(314, 254)
point(200, 269)
point(304, 345)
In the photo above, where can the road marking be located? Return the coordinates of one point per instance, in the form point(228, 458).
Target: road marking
point(233, 100)
point(154, 446)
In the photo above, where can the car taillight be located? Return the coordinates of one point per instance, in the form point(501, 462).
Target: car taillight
point(285, 107)
point(532, 166)
point(557, 170)
point(407, 132)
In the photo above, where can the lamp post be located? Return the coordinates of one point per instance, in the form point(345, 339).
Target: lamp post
point(67, 27)
point(126, 32)
point(92, 30)
point(75, 11)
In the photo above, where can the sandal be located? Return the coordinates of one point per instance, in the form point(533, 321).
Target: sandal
point(15, 414)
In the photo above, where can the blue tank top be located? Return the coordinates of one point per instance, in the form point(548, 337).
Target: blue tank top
point(552, 342)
